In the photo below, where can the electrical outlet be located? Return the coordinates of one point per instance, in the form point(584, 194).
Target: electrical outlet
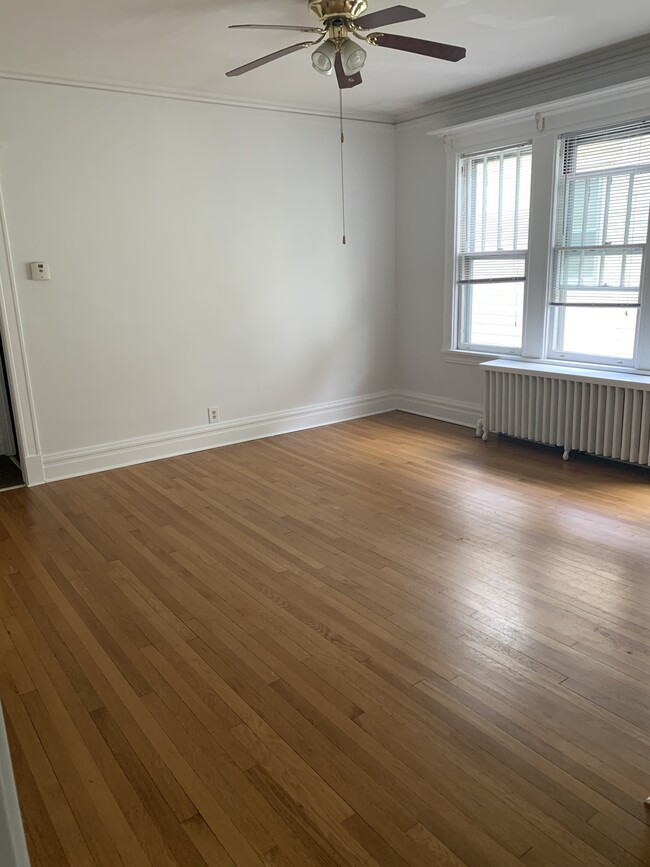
point(213, 414)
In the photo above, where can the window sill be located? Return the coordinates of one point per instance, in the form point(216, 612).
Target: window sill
point(472, 358)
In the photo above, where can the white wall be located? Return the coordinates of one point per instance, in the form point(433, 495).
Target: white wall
point(422, 369)
point(196, 260)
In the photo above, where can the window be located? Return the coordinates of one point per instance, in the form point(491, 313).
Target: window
point(557, 269)
point(602, 203)
point(492, 249)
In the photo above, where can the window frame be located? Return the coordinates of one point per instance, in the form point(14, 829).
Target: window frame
point(553, 313)
point(460, 327)
point(545, 133)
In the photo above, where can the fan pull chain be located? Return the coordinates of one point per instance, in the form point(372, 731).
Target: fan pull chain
point(342, 164)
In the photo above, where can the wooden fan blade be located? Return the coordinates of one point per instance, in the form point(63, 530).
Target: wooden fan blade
point(393, 15)
point(261, 61)
point(345, 81)
point(275, 27)
point(440, 50)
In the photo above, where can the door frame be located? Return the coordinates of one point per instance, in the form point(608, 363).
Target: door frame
point(7, 436)
point(15, 356)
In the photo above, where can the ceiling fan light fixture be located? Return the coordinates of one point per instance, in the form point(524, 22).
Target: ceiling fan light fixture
point(341, 19)
point(323, 58)
point(353, 57)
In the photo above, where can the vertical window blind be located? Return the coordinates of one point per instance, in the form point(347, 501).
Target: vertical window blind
point(601, 221)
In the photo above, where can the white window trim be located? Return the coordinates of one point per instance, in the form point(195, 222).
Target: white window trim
point(500, 134)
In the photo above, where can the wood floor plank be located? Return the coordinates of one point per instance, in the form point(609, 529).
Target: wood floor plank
point(383, 643)
point(43, 843)
point(64, 823)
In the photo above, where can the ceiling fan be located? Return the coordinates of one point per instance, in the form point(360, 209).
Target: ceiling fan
point(337, 50)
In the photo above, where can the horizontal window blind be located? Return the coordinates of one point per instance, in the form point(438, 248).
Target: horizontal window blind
point(494, 204)
point(601, 221)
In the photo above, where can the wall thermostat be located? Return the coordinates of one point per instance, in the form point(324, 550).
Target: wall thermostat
point(39, 270)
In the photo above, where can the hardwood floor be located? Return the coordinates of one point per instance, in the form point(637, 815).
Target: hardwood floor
point(379, 643)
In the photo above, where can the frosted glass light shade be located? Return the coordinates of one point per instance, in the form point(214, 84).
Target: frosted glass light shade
point(353, 57)
point(323, 58)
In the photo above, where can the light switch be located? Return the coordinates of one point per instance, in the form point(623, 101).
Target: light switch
point(39, 270)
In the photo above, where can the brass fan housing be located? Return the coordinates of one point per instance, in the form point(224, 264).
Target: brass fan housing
point(326, 9)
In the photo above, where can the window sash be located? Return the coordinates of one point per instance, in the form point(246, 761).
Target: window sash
point(617, 284)
point(493, 218)
point(466, 303)
point(512, 267)
point(602, 194)
point(556, 333)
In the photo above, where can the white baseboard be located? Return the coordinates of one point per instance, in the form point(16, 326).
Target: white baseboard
point(441, 408)
point(94, 459)
point(32, 469)
point(64, 465)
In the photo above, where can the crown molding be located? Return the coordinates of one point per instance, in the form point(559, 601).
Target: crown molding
point(545, 111)
point(195, 96)
point(622, 69)
point(625, 64)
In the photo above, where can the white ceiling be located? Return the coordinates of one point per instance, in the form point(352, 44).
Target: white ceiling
point(185, 45)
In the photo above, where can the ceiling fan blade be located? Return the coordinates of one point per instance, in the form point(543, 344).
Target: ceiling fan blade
point(345, 81)
point(393, 15)
point(275, 27)
point(267, 59)
point(418, 46)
